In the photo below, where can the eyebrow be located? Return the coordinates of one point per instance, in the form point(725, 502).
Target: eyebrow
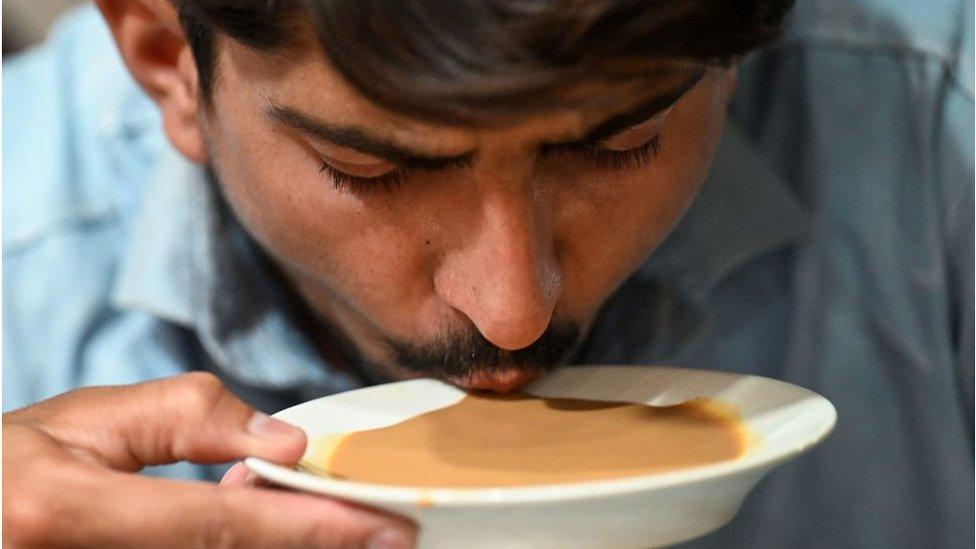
point(357, 139)
point(642, 112)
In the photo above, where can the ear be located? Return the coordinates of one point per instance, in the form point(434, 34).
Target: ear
point(152, 44)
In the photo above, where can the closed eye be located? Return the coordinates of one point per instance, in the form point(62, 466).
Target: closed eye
point(597, 153)
point(389, 181)
point(600, 156)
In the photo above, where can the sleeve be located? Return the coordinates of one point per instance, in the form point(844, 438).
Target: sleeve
point(954, 156)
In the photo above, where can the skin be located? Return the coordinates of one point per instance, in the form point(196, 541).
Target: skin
point(67, 465)
point(505, 245)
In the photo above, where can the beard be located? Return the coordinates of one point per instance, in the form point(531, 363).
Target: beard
point(460, 354)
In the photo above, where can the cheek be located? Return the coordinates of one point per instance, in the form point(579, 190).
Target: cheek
point(609, 222)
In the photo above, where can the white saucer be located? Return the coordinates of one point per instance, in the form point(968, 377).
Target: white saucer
point(642, 511)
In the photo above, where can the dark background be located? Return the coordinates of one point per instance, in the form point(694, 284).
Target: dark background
point(25, 22)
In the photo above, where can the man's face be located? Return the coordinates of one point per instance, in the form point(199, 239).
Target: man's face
point(478, 255)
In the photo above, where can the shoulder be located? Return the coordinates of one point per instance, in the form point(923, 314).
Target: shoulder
point(76, 128)
point(869, 90)
point(80, 141)
point(79, 144)
point(865, 108)
point(940, 31)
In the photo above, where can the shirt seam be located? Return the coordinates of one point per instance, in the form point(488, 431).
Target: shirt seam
point(946, 62)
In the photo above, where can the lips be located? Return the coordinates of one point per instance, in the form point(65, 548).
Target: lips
point(503, 381)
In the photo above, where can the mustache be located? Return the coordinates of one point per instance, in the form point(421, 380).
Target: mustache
point(461, 353)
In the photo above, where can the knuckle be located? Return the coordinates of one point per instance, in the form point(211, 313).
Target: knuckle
point(335, 533)
point(198, 392)
point(204, 418)
point(327, 535)
point(218, 531)
point(27, 521)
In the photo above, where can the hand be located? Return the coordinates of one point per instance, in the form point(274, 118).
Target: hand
point(67, 481)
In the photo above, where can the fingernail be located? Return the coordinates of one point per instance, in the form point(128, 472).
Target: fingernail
point(250, 480)
point(235, 475)
point(265, 426)
point(390, 538)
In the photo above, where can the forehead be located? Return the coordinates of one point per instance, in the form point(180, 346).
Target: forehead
point(302, 77)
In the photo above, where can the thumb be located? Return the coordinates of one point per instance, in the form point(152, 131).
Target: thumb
point(190, 417)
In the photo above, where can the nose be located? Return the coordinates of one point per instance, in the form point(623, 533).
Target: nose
point(505, 278)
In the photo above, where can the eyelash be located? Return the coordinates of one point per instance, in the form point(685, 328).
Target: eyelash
point(343, 181)
point(637, 157)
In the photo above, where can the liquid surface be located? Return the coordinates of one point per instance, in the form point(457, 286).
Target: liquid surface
point(516, 440)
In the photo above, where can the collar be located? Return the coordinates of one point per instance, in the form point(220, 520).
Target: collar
point(189, 262)
point(744, 209)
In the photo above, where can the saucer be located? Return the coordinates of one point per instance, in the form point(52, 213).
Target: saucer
point(783, 420)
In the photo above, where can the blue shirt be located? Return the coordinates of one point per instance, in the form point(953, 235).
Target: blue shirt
point(831, 247)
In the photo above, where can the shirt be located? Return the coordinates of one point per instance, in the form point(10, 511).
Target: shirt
point(831, 247)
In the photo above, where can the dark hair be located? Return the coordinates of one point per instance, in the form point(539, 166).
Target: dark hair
point(472, 61)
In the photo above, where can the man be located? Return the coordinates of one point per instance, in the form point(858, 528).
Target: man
point(309, 197)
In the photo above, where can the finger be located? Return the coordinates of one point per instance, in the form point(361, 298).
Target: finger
point(235, 475)
point(254, 481)
point(144, 511)
point(190, 417)
point(108, 508)
point(239, 475)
